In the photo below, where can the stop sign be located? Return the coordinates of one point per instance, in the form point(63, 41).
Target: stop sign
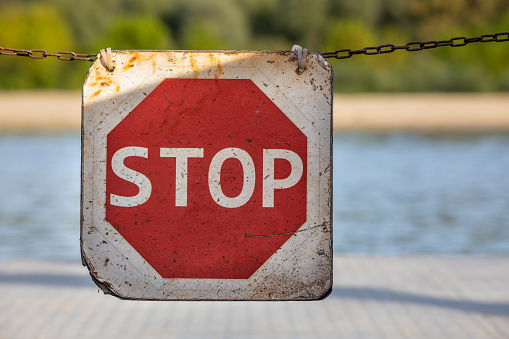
point(207, 176)
point(211, 154)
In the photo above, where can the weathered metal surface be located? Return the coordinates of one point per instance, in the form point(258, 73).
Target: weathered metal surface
point(207, 176)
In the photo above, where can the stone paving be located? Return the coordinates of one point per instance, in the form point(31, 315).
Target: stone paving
point(373, 297)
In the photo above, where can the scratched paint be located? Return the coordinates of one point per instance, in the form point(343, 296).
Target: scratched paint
point(206, 176)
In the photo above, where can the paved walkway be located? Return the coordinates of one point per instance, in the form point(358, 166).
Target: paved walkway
point(373, 297)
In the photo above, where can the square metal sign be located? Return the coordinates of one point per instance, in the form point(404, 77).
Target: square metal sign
point(207, 176)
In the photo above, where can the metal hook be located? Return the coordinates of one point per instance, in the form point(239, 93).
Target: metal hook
point(107, 59)
point(301, 56)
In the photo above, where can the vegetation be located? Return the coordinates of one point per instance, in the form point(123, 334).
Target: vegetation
point(322, 25)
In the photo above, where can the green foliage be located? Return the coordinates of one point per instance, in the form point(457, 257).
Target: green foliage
point(348, 33)
point(31, 27)
point(197, 35)
point(302, 21)
point(136, 32)
point(476, 67)
point(212, 25)
point(323, 25)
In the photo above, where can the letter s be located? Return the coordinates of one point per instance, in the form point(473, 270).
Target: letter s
point(140, 180)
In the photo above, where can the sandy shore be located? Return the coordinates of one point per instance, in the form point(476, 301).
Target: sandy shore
point(422, 112)
point(46, 110)
point(40, 110)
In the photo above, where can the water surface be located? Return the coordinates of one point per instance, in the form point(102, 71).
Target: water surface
point(40, 196)
point(421, 193)
point(394, 193)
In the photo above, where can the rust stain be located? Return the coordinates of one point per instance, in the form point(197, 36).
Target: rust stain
point(103, 81)
point(96, 93)
point(194, 66)
point(131, 61)
point(216, 61)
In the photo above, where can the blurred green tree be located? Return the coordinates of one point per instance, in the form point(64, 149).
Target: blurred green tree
point(322, 25)
point(302, 21)
point(136, 32)
point(219, 24)
point(31, 27)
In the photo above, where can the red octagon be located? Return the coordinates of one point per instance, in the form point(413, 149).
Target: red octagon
point(199, 238)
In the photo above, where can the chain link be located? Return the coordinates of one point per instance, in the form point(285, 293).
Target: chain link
point(416, 46)
point(42, 54)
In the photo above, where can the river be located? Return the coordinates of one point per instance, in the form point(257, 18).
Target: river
point(394, 193)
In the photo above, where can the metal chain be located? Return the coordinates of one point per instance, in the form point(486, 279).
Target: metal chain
point(338, 54)
point(416, 46)
point(42, 54)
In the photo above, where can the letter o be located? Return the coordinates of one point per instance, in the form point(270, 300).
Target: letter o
point(215, 177)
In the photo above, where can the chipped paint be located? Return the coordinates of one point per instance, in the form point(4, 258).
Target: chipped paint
point(298, 265)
